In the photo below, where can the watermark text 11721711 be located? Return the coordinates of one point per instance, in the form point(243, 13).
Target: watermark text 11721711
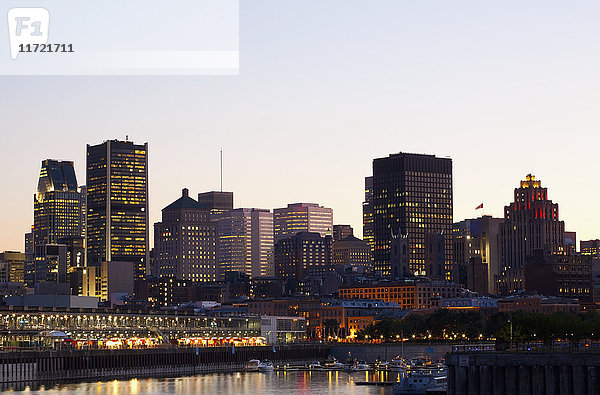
point(56, 48)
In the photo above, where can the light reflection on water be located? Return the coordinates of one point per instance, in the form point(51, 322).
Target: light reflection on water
point(280, 383)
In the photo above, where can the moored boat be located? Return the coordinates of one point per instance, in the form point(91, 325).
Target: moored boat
point(252, 365)
point(266, 366)
point(420, 383)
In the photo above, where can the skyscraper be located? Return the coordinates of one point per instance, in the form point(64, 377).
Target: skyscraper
point(412, 197)
point(302, 217)
point(530, 223)
point(56, 204)
point(57, 217)
point(185, 241)
point(117, 204)
point(246, 242)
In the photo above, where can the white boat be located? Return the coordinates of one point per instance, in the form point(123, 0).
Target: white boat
point(362, 365)
point(315, 365)
point(266, 366)
point(252, 365)
point(420, 383)
point(398, 365)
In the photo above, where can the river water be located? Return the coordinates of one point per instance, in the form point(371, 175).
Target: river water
point(280, 383)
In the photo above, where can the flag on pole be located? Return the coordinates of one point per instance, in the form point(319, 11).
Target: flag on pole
point(478, 207)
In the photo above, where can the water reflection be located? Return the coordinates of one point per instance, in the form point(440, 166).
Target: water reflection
point(280, 383)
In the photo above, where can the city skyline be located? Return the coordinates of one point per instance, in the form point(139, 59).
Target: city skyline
point(154, 215)
point(452, 80)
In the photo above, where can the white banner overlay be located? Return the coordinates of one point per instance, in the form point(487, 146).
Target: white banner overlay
point(115, 37)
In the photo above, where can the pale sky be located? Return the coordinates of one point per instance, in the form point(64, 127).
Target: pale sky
point(503, 88)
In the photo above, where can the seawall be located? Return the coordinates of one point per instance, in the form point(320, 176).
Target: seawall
point(60, 365)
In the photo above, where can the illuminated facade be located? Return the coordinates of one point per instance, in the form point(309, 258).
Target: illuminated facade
point(246, 242)
point(99, 329)
point(185, 242)
point(530, 223)
point(117, 204)
point(409, 296)
point(412, 196)
point(402, 294)
point(57, 215)
point(56, 204)
point(302, 217)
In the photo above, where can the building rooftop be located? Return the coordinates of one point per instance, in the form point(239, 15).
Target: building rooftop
point(184, 202)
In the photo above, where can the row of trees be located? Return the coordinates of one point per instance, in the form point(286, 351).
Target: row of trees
point(445, 324)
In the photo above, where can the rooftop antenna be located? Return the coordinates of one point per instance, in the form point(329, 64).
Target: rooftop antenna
point(221, 169)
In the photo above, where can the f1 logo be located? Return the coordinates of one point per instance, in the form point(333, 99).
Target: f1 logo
point(27, 26)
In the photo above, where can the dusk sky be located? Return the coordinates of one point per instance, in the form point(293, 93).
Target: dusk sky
point(504, 89)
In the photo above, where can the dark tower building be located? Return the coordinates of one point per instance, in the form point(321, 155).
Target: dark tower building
point(412, 196)
point(217, 202)
point(530, 223)
point(117, 204)
point(185, 241)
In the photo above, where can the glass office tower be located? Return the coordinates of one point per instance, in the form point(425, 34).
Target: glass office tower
point(117, 204)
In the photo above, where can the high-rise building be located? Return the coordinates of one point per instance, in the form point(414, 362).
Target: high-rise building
point(56, 204)
point(57, 216)
point(246, 242)
point(303, 254)
point(342, 231)
point(476, 253)
point(185, 241)
point(302, 217)
point(368, 214)
point(218, 202)
point(117, 204)
point(530, 223)
point(412, 197)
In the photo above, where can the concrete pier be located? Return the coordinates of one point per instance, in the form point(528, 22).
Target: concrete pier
point(523, 373)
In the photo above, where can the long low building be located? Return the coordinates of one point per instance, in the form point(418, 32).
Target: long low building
point(106, 329)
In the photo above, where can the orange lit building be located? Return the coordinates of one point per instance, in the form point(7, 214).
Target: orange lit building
point(403, 294)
